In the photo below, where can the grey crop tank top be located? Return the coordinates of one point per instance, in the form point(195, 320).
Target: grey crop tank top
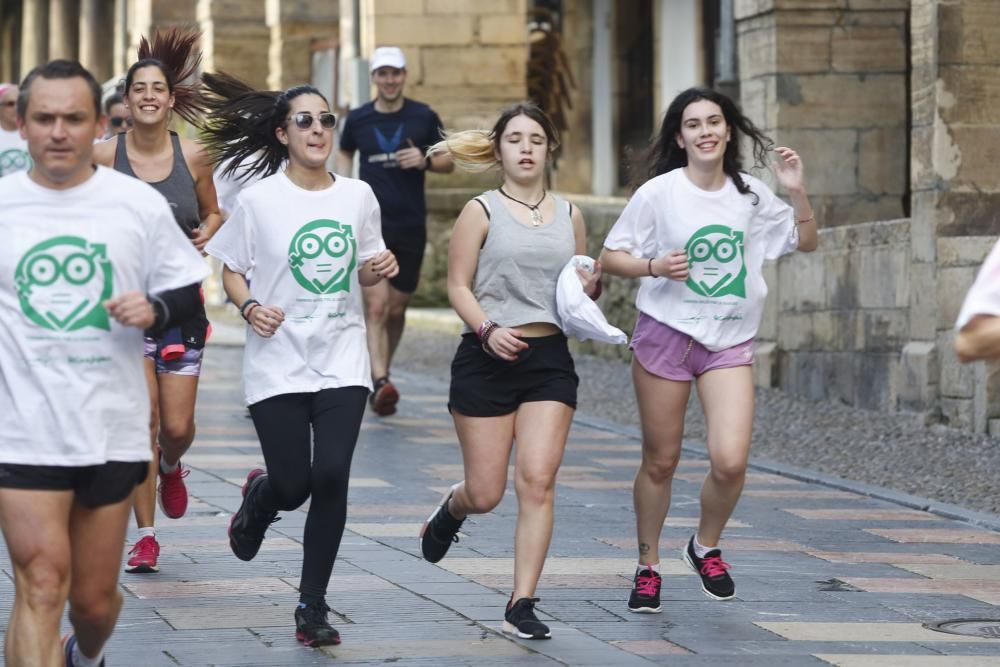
point(178, 187)
point(519, 265)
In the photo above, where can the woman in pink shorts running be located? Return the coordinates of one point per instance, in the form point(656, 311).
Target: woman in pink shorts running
point(697, 232)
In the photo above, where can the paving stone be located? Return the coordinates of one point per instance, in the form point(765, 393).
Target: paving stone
point(851, 660)
point(865, 632)
point(937, 535)
point(823, 565)
point(989, 573)
point(863, 515)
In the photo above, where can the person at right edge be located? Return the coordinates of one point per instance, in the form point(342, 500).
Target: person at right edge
point(697, 233)
point(978, 324)
point(392, 134)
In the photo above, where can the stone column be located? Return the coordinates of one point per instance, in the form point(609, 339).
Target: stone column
point(34, 34)
point(235, 39)
point(956, 194)
point(294, 24)
point(10, 35)
point(64, 27)
point(96, 53)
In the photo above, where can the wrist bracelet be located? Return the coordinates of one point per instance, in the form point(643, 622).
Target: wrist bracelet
point(485, 329)
point(243, 308)
point(250, 310)
point(811, 218)
point(649, 267)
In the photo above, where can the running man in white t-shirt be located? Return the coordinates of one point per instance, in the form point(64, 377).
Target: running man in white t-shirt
point(13, 148)
point(697, 233)
point(83, 248)
point(312, 240)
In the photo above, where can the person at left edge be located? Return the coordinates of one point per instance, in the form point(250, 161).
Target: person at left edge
point(13, 148)
point(90, 259)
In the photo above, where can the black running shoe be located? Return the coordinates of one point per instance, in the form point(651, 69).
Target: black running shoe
point(439, 531)
point(715, 580)
point(520, 620)
point(248, 525)
point(645, 597)
point(312, 628)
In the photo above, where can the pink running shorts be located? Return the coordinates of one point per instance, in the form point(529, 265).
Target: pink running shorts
point(670, 354)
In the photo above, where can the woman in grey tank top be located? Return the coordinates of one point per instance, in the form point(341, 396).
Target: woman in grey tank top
point(512, 375)
point(181, 171)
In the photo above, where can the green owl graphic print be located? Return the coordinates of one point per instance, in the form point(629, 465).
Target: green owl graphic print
point(322, 256)
point(63, 282)
point(717, 263)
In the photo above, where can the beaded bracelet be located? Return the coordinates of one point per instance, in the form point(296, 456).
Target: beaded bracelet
point(487, 329)
point(484, 329)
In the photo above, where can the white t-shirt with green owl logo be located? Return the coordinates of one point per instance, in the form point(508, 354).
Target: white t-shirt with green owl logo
point(727, 239)
point(14, 156)
point(304, 249)
point(74, 389)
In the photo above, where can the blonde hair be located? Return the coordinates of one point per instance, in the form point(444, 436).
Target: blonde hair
point(471, 150)
point(476, 150)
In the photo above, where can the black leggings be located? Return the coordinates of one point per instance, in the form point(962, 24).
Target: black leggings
point(297, 470)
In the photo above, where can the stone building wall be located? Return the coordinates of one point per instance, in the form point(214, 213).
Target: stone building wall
point(869, 318)
point(828, 77)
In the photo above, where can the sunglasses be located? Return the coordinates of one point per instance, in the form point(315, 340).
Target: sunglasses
point(304, 120)
point(118, 121)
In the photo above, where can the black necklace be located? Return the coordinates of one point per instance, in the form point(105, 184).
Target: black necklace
point(536, 216)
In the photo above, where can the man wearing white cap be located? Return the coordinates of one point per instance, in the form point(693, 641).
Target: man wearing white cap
point(13, 149)
point(392, 134)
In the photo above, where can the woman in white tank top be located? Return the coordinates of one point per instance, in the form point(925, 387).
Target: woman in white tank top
point(512, 376)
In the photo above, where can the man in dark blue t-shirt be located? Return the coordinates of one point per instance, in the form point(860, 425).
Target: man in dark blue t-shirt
point(392, 134)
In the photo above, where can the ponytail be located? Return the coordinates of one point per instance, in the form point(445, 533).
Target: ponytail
point(241, 125)
point(471, 150)
point(174, 53)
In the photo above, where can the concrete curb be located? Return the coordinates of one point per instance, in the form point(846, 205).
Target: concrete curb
point(944, 510)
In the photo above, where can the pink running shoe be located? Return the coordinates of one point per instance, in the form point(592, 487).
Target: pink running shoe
point(173, 493)
point(144, 555)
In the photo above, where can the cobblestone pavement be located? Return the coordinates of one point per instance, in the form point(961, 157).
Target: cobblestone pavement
point(824, 576)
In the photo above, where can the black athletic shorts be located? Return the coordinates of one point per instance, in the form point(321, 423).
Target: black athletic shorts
point(482, 386)
point(407, 243)
point(93, 486)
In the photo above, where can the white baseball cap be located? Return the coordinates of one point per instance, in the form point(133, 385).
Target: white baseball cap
point(388, 56)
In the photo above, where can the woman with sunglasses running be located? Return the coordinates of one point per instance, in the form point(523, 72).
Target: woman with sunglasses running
point(697, 232)
point(312, 240)
point(512, 377)
point(155, 88)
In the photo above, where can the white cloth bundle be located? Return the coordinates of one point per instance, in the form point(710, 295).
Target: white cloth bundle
point(578, 315)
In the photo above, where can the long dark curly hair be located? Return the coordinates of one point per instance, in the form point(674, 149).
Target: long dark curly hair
point(665, 155)
point(174, 52)
point(241, 123)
